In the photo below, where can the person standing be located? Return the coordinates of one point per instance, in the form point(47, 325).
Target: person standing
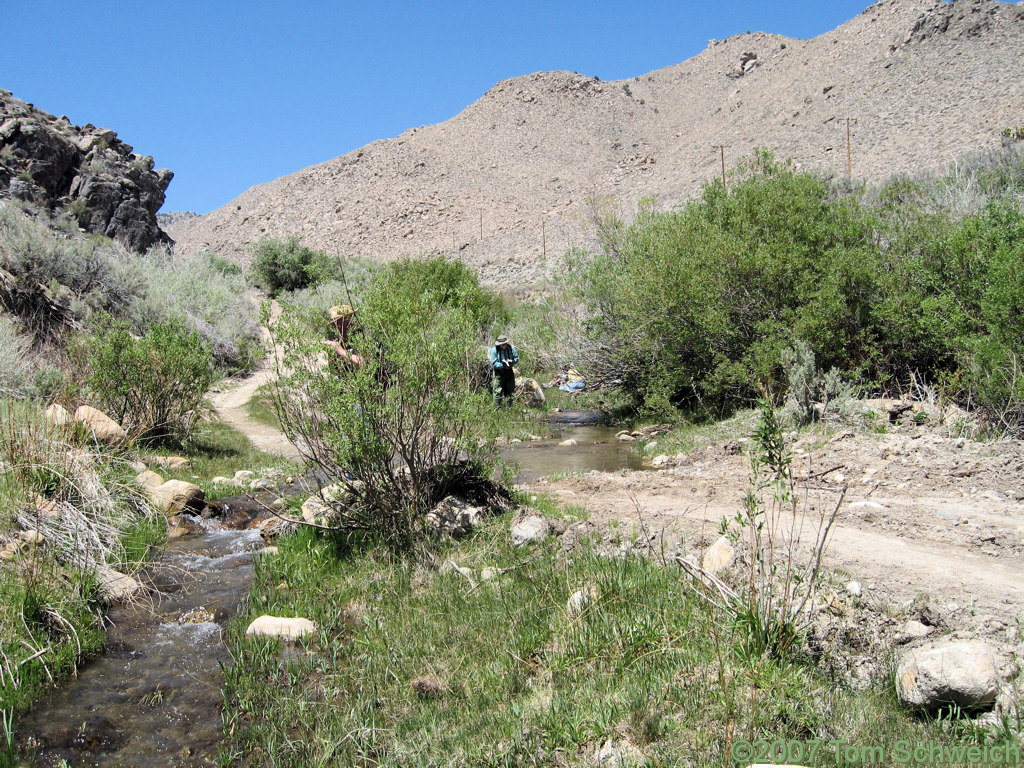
point(503, 360)
point(341, 322)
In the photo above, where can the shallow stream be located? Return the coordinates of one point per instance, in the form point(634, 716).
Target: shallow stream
point(154, 698)
point(596, 449)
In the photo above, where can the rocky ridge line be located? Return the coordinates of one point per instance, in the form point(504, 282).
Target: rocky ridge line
point(88, 171)
point(511, 182)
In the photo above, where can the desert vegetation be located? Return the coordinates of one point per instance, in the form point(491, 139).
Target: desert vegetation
point(786, 289)
point(411, 423)
point(918, 280)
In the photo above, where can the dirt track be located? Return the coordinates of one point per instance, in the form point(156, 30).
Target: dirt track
point(925, 513)
point(230, 399)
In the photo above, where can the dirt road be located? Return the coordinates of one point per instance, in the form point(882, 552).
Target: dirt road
point(925, 513)
point(230, 399)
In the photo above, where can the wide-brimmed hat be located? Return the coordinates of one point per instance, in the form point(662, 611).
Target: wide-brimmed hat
point(501, 340)
point(339, 313)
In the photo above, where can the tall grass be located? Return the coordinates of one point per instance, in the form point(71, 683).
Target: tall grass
point(417, 665)
point(81, 500)
point(15, 371)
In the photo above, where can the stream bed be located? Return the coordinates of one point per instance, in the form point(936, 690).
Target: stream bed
point(153, 699)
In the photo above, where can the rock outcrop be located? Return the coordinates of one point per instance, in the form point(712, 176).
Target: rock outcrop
point(88, 171)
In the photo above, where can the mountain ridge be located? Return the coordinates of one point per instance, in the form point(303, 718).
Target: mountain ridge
point(511, 182)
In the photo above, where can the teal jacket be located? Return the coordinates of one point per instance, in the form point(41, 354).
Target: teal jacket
point(499, 356)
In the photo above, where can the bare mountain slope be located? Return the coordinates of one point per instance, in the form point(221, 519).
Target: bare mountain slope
point(508, 183)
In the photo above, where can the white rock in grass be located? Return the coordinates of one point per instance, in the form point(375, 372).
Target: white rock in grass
point(103, 428)
point(116, 586)
point(58, 415)
point(220, 480)
point(532, 529)
point(279, 626)
point(32, 537)
point(718, 556)
point(149, 480)
point(172, 463)
point(454, 516)
point(581, 600)
point(243, 477)
point(944, 673)
point(315, 512)
point(854, 588)
point(619, 754)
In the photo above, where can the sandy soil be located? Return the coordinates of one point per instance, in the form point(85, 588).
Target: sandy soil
point(230, 398)
point(926, 513)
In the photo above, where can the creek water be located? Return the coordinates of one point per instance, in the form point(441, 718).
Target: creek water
point(596, 448)
point(153, 699)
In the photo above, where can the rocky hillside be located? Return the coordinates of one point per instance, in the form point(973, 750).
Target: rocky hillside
point(111, 190)
point(512, 182)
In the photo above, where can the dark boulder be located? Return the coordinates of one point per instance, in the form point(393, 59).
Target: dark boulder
point(88, 171)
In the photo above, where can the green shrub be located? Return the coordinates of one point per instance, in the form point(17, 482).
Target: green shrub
point(286, 265)
point(449, 284)
point(153, 385)
point(203, 293)
point(699, 304)
point(407, 427)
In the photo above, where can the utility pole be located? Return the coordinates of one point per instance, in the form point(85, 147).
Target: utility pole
point(721, 152)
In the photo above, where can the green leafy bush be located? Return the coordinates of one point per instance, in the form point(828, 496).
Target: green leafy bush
point(286, 265)
point(449, 284)
point(152, 385)
point(699, 306)
point(407, 427)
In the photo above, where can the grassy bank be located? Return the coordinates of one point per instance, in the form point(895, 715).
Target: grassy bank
point(418, 665)
point(51, 607)
point(219, 450)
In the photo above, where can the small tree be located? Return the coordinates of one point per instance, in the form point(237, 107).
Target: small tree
point(286, 265)
point(153, 385)
point(404, 429)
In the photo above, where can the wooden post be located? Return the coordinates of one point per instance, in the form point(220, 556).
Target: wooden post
point(721, 152)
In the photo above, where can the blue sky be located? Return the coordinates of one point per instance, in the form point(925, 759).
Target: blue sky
point(233, 94)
